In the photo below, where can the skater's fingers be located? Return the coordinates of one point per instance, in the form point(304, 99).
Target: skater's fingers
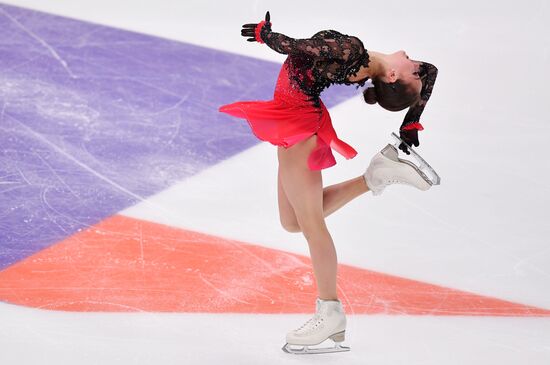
point(248, 35)
point(267, 17)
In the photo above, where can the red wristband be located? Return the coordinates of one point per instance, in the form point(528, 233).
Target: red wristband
point(415, 125)
point(258, 30)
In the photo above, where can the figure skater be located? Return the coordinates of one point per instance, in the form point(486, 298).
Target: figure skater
point(297, 121)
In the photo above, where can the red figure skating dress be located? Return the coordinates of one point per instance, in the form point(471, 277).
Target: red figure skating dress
point(296, 111)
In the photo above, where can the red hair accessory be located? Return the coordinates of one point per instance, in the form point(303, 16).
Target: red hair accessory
point(258, 30)
point(412, 126)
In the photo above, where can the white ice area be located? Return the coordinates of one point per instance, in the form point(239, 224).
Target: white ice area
point(484, 230)
point(42, 337)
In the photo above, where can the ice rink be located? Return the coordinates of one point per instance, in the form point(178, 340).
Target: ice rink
point(138, 225)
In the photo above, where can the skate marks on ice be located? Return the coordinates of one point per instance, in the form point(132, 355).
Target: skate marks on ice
point(249, 339)
point(95, 119)
point(124, 264)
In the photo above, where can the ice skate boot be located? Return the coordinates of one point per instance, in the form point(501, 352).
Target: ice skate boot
point(329, 322)
point(386, 168)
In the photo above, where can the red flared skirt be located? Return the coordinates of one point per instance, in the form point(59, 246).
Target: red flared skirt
point(291, 118)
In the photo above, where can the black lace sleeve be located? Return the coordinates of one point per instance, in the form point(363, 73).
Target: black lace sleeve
point(324, 45)
point(428, 74)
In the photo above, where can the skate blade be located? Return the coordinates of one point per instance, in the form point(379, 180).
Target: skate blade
point(424, 169)
point(307, 350)
point(337, 338)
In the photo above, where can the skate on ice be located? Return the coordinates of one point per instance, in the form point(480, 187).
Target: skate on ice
point(329, 322)
point(386, 168)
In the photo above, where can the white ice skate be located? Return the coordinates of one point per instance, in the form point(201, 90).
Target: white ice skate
point(386, 168)
point(329, 321)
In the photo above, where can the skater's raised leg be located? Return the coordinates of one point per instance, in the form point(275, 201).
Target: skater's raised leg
point(384, 169)
point(337, 195)
point(334, 198)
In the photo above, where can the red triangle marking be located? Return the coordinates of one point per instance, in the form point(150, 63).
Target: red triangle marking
point(125, 264)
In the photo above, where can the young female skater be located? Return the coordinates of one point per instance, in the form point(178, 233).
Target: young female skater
point(297, 121)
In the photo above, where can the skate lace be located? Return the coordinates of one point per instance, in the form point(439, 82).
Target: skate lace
point(311, 324)
point(395, 181)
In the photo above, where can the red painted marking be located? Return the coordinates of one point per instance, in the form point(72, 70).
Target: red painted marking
point(124, 264)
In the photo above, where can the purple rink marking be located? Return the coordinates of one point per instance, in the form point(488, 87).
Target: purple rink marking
point(94, 119)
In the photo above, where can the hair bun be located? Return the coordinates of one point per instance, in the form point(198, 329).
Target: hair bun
point(370, 95)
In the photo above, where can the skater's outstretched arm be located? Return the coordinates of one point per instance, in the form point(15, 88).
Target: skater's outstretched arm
point(324, 45)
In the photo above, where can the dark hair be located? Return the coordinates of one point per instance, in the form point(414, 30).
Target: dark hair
point(394, 96)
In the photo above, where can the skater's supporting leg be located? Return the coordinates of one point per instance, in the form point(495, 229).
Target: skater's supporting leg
point(286, 212)
point(304, 192)
point(334, 198)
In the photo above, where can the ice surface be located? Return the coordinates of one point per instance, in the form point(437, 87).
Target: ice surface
point(32, 336)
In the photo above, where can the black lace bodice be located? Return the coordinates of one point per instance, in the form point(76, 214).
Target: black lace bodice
point(329, 57)
point(428, 74)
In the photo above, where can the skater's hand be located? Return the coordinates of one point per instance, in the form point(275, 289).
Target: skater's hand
point(410, 137)
point(250, 30)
